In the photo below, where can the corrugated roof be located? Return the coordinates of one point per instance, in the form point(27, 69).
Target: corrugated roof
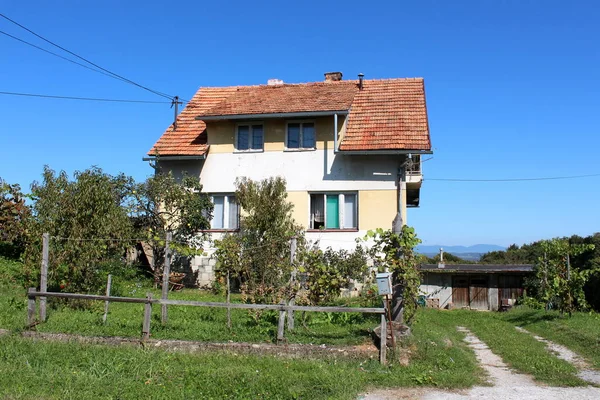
point(477, 268)
point(387, 114)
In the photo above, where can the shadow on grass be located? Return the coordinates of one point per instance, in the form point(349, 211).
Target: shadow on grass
point(530, 317)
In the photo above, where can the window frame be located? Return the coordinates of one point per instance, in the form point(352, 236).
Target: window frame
point(226, 213)
point(341, 211)
point(249, 124)
point(301, 122)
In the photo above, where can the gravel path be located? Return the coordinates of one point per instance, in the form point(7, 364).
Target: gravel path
point(505, 383)
point(585, 371)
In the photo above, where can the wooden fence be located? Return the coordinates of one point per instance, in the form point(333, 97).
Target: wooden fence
point(149, 301)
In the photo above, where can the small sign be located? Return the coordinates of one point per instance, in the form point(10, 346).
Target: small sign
point(384, 283)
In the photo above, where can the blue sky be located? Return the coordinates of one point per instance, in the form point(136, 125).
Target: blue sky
point(512, 92)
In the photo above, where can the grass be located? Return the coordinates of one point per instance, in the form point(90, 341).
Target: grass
point(519, 350)
point(580, 333)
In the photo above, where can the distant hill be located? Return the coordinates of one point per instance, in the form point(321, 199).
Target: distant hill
point(465, 256)
point(459, 250)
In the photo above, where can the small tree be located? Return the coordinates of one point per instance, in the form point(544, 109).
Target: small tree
point(77, 213)
point(14, 214)
point(395, 252)
point(162, 204)
point(259, 254)
point(559, 282)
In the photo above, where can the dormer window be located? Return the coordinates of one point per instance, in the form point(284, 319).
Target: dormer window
point(300, 135)
point(249, 137)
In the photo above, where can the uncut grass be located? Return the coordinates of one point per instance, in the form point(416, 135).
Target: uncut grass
point(519, 350)
point(41, 369)
point(580, 333)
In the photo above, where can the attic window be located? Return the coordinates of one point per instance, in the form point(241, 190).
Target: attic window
point(249, 137)
point(300, 135)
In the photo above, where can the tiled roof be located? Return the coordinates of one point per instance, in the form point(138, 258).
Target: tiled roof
point(190, 137)
point(386, 114)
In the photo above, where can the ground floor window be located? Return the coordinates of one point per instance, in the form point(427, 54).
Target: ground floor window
point(333, 211)
point(226, 212)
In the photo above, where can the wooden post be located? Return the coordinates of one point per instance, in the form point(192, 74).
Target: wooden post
point(108, 284)
point(281, 326)
point(389, 310)
point(147, 317)
point(290, 316)
point(44, 274)
point(397, 224)
point(228, 302)
point(30, 307)
point(383, 341)
point(166, 276)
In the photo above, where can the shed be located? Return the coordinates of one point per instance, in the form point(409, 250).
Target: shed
point(475, 286)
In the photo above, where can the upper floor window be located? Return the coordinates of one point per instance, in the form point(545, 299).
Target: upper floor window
point(249, 137)
point(333, 211)
point(300, 135)
point(226, 212)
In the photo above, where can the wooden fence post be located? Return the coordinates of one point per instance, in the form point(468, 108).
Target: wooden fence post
point(147, 317)
point(108, 284)
point(290, 315)
point(281, 326)
point(44, 274)
point(228, 302)
point(30, 307)
point(383, 341)
point(166, 277)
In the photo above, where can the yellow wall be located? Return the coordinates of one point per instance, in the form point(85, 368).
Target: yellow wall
point(221, 134)
point(300, 212)
point(377, 209)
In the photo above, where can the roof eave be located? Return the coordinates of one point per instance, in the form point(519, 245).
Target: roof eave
point(301, 114)
point(158, 157)
point(384, 152)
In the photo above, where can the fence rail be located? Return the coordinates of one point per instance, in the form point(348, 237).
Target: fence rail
point(148, 301)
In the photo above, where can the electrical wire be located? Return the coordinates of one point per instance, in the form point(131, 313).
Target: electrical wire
point(82, 98)
point(112, 74)
point(512, 179)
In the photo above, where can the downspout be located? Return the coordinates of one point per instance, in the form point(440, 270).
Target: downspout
point(335, 133)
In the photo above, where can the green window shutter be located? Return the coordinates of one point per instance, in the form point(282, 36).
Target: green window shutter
point(332, 212)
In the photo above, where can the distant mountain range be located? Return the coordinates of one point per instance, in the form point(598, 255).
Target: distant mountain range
point(476, 248)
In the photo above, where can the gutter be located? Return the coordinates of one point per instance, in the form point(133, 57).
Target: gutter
point(302, 114)
point(174, 158)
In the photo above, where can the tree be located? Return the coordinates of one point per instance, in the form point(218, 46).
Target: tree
point(395, 252)
point(78, 214)
point(162, 204)
point(559, 282)
point(14, 214)
point(259, 255)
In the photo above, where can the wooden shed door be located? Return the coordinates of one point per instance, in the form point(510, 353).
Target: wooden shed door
point(478, 293)
point(460, 291)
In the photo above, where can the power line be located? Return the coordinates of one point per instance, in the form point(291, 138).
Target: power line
point(55, 54)
point(82, 98)
point(512, 179)
point(117, 76)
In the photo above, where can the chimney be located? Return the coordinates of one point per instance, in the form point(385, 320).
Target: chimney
point(333, 76)
point(360, 80)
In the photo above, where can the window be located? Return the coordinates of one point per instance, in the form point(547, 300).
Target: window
point(249, 137)
point(333, 211)
point(226, 214)
point(300, 135)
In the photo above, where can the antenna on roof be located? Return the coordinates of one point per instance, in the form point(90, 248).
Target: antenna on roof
point(175, 102)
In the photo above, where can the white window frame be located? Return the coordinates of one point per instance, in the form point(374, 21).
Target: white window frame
point(250, 138)
point(341, 210)
point(301, 122)
point(226, 205)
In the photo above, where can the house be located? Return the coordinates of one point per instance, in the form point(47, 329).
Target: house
point(474, 286)
point(350, 151)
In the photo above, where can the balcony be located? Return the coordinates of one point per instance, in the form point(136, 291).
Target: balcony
point(414, 175)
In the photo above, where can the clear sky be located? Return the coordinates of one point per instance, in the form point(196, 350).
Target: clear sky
point(512, 92)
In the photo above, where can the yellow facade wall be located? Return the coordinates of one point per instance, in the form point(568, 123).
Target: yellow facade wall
point(300, 212)
point(221, 134)
point(377, 209)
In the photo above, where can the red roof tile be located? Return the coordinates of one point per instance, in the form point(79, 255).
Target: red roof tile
point(386, 114)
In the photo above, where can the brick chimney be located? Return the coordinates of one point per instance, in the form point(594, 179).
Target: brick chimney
point(333, 76)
